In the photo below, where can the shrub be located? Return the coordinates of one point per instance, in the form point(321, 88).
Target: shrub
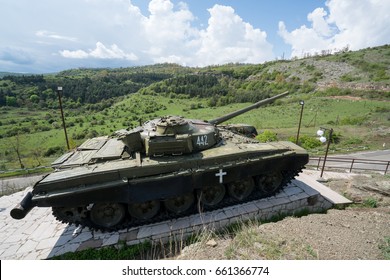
point(92, 134)
point(308, 142)
point(267, 136)
point(53, 151)
point(370, 202)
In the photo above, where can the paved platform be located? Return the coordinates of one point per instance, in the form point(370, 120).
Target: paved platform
point(40, 236)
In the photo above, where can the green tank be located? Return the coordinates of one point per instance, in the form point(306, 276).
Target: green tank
point(166, 168)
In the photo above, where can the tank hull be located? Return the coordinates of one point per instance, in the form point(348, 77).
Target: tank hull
point(137, 181)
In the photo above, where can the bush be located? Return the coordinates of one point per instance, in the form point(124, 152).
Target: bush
point(308, 142)
point(80, 135)
point(267, 136)
point(54, 151)
point(92, 134)
point(370, 202)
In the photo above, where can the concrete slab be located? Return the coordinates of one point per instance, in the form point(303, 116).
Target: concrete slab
point(331, 196)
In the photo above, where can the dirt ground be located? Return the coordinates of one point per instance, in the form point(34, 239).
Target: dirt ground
point(360, 231)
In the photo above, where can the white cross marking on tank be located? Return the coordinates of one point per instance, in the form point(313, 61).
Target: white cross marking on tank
point(220, 174)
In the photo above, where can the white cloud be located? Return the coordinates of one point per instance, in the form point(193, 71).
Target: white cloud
point(53, 35)
point(80, 54)
point(303, 40)
point(114, 52)
point(168, 31)
point(229, 39)
point(100, 52)
point(356, 24)
point(320, 26)
point(166, 34)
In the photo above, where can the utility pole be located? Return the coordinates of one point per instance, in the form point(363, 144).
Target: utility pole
point(59, 91)
point(323, 139)
point(302, 103)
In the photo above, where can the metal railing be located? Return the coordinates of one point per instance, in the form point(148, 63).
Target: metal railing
point(351, 163)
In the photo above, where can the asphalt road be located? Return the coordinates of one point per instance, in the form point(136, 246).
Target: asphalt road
point(18, 183)
point(374, 155)
point(360, 162)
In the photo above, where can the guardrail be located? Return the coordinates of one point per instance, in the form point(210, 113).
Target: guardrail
point(351, 163)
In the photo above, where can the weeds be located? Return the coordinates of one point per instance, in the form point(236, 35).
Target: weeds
point(370, 202)
point(251, 243)
point(311, 251)
point(385, 248)
point(121, 252)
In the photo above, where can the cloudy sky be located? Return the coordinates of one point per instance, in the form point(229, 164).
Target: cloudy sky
point(45, 36)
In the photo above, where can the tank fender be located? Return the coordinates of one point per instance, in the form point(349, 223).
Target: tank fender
point(160, 187)
point(84, 194)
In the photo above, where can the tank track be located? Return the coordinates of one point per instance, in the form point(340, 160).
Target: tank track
point(79, 215)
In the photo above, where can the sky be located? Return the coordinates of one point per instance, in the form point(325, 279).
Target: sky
point(47, 36)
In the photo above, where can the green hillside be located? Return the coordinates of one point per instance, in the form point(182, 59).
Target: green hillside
point(348, 91)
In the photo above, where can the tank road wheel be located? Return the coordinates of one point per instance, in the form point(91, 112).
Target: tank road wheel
point(269, 184)
point(241, 189)
point(73, 215)
point(145, 210)
point(180, 204)
point(213, 195)
point(107, 214)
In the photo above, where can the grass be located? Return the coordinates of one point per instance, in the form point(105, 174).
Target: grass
point(385, 248)
point(25, 172)
point(370, 202)
point(250, 243)
point(119, 252)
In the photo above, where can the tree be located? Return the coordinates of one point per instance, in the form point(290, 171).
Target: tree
point(11, 101)
point(16, 146)
point(2, 98)
point(34, 98)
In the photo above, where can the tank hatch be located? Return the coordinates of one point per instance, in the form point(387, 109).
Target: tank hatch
point(172, 125)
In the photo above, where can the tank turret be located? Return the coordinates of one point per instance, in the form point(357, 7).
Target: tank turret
point(167, 167)
point(170, 135)
point(174, 135)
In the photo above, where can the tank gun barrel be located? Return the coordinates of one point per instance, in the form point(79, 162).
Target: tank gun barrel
point(246, 109)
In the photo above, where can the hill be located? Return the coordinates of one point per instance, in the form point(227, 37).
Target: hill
point(4, 74)
point(348, 91)
point(362, 70)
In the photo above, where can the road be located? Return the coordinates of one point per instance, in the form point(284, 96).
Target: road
point(17, 183)
point(374, 155)
point(360, 162)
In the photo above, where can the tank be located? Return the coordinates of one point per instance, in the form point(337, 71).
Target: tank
point(166, 168)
